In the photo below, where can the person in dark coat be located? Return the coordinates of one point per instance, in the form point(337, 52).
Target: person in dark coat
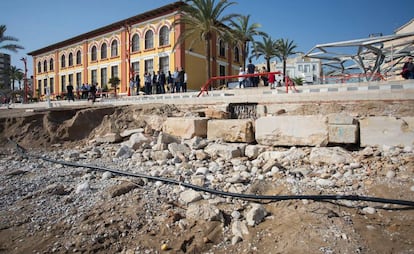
point(408, 69)
point(92, 92)
point(70, 94)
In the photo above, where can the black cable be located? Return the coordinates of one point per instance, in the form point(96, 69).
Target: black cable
point(24, 153)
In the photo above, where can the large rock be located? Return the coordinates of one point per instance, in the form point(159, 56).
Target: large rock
point(186, 127)
point(255, 215)
point(205, 212)
point(384, 130)
point(252, 151)
point(225, 151)
point(292, 130)
point(127, 133)
point(231, 130)
point(177, 149)
point(239, 228)
point(113, 137)
point(190, 196)
point(136, 140)
point(330, 156)
point(154, 122)
point(165, 138)
point(124, 152)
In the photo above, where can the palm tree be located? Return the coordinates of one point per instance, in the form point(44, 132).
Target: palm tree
point(285, 48)
point(12, 72)
point(19, 78)
point(4, 38)
point(114, 81)
point(244, 33)
point(203, 19)
point(268, 49)
point(298, 81)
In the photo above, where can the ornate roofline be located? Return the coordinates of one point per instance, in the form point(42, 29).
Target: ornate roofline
point(170, 8)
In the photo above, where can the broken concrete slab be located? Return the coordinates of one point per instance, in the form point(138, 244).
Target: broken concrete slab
point(231, 130)
point(343, 134)
point(387, 130)
point(292, 130)
point(186, 127)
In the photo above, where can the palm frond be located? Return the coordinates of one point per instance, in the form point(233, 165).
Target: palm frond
point(5, 38)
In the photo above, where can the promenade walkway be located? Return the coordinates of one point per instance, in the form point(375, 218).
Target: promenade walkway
point(363, 91)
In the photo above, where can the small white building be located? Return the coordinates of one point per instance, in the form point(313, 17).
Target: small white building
point(299, 67)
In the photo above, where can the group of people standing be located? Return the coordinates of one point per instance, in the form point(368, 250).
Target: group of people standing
point(160, 82)
point(253, 81)
point(85, 91)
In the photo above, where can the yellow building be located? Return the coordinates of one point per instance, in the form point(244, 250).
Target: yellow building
point(127, 48)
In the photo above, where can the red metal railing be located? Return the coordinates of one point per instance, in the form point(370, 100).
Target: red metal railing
point(206, 86)
point(359, 77)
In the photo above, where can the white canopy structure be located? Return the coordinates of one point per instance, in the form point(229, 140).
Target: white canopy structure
point(372, 57)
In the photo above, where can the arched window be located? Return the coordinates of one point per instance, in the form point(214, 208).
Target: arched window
point(222, 48)
point(164, 36)
point(104, 53)
point(39, 67)
point(93, 53)
point(114, 48)
point(63, 61)
point(45, 65)
point(135, 43)
point(78, 57)
point(70, 60)
point(236, 54)
point(149, 39)
point(51, 65)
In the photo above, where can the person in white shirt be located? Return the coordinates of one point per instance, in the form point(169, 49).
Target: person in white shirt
point(241, 79)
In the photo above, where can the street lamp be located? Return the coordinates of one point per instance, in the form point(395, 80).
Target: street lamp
point(24, 59)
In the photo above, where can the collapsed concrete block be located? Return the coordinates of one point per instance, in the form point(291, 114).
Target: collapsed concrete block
point(343, 134)
point(216, 114)
point(384, 130)
point(231, 130)
point(292, 130)
point(340, 119)
point(186, 127)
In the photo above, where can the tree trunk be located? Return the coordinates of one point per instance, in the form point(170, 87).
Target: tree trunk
point(244, 54)
point(268, 64)
point(208, 55)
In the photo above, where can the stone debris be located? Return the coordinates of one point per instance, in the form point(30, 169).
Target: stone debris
point(82, 187)
point(229, 167)
point(255, 215)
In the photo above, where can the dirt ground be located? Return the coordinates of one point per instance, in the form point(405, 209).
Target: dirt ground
point(141, 221)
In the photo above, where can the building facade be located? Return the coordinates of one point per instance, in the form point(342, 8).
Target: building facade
point(127, 49)
point(4, 66)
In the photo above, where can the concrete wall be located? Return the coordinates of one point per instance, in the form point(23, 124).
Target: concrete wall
point(314, 130)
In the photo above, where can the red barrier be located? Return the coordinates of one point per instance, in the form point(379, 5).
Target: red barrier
point(206, 86)
point(290, 83)
point(344, 78)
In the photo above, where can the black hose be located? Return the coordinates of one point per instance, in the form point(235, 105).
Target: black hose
point(24, 153)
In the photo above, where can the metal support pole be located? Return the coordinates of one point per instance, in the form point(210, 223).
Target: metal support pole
point(24, 59)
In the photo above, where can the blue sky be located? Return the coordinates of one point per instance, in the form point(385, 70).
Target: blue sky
point(40, 23)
